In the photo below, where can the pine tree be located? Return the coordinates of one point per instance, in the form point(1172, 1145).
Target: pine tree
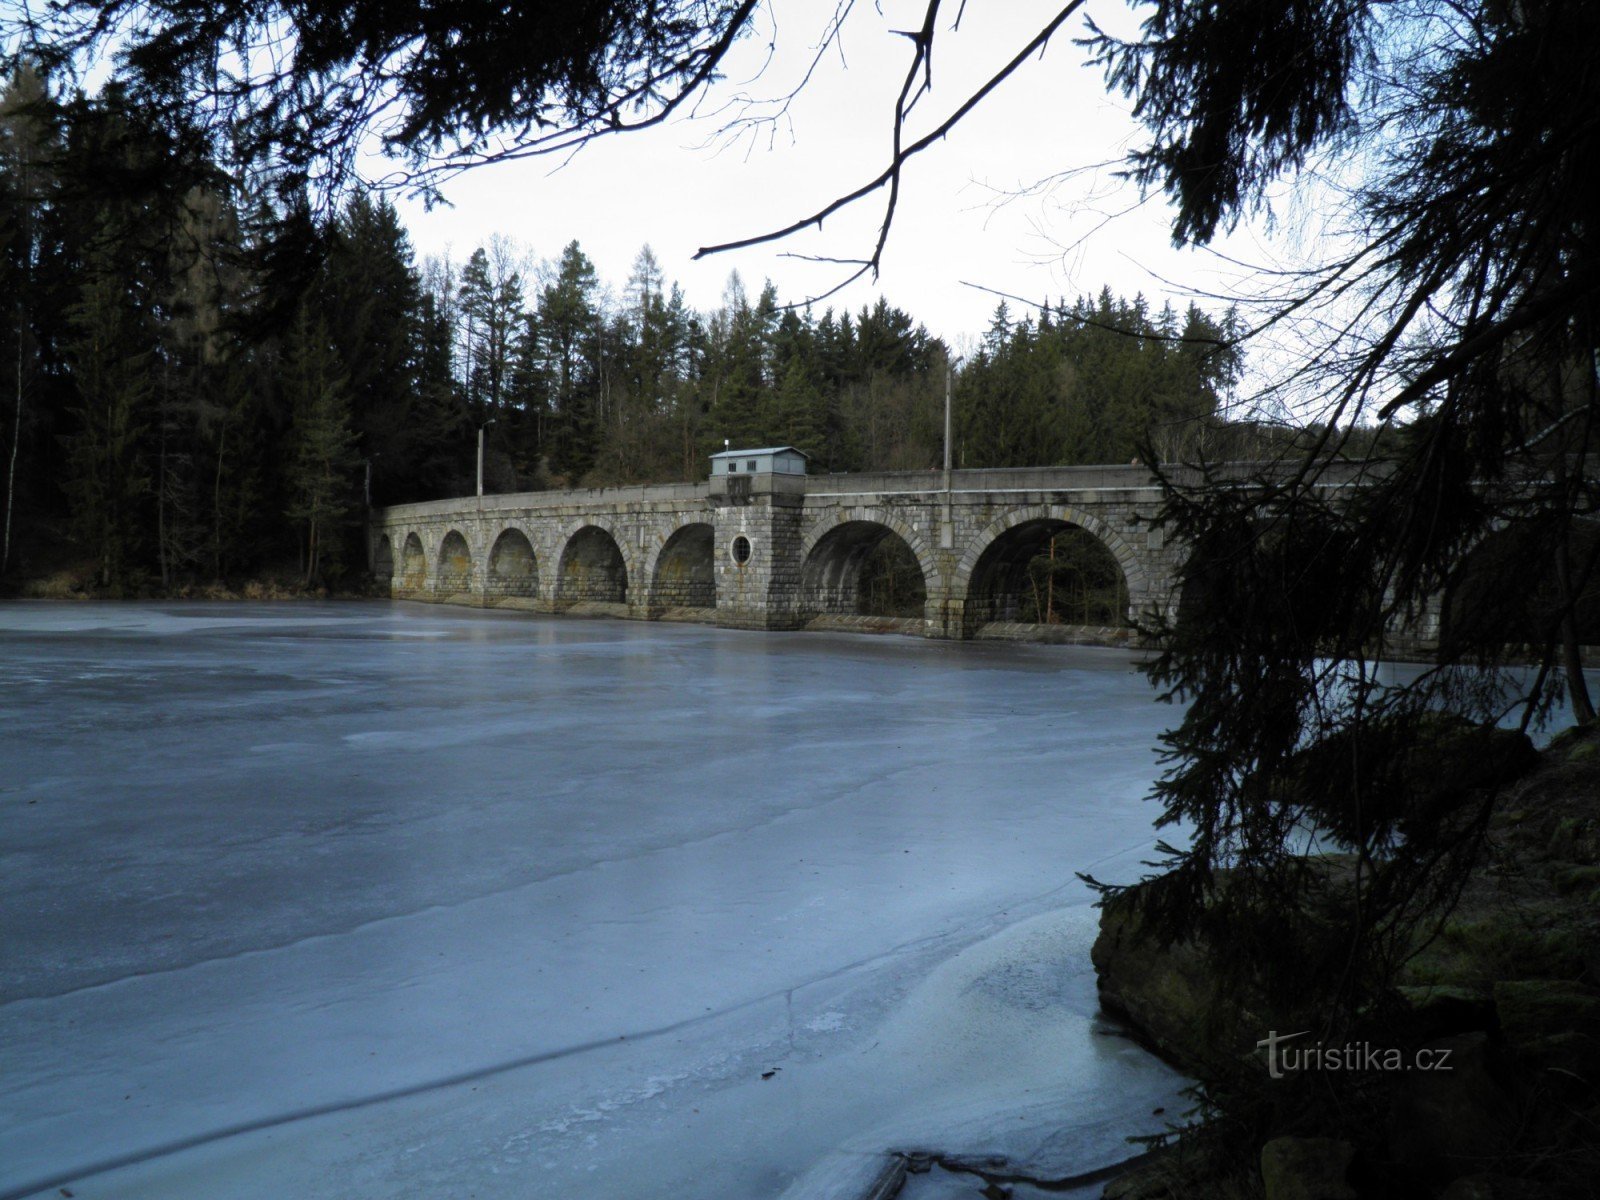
point(491, 315)
point(372, 300)
point(319, 475)
point(568, 316)
point(737, 360)
point(108, 479)
point(29, 142)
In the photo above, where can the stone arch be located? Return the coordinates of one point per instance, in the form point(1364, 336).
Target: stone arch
point(454, 571)
point(592, 567)
point(992, 576)
point(891, 521)
point(513, 566)
point(383, 561)
point(682, 572)
point(838, 568)
point(413, 564)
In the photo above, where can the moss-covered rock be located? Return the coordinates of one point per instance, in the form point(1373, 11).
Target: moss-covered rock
point(1302, 1168)
point(1455, 1119)
point(1576, 839)
point(1168, 994)
point(1440, 1010)
point(1507, 979)
point(1492, 1187)
point(1530, 1008)
point(1483, 943)
point(1576, 881)
point(1554, 1027)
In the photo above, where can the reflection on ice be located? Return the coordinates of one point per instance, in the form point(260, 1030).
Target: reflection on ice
point(390, 900)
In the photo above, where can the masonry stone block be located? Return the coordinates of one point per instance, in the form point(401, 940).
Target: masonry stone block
point(772, 551)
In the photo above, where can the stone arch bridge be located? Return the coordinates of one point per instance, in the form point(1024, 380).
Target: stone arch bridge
point(773, 551)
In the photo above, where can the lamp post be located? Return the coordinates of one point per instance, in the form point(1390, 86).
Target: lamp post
point(481, 428)
point(946, 532)
point(366, 510)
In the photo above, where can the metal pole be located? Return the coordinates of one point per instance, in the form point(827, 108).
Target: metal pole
point(366, 511)
point(949, 383)
point(481, 428)
point(947, 526)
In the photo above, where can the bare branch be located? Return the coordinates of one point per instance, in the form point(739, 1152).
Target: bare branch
point(890, 175)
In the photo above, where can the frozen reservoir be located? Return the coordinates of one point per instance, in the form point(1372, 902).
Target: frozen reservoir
point(389, 900)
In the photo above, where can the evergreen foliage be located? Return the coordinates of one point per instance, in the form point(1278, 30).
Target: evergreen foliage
point(188, 389)
point(185, 385)
point(191, 373)
point(318, 471)
point(1461, 318)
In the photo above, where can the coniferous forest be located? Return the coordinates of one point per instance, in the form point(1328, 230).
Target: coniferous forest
point(192, 400)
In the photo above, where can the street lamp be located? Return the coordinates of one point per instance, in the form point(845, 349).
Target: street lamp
point(366, 482)
point(946, 532)
point(481, 428)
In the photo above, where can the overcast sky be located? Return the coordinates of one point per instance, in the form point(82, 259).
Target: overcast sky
point(679, 186)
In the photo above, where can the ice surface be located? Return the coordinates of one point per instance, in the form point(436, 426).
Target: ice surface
point(394, 900)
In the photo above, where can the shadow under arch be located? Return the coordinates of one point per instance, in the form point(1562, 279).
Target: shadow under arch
point(513, 567)
point(862, 568)
point(413, 565)
point(455, 565)
point(1047, 570)
point(592, 569)
point(684, 576)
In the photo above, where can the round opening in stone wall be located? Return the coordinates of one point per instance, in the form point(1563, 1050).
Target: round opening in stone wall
point(740, 549)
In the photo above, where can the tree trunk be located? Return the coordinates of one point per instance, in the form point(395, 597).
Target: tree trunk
point(16, 440)
point(161, 496)
point(1571, 658)
point(1050, 586)
point(216, 505)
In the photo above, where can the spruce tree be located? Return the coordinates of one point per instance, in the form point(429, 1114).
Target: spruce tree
point(568, 316)
point(319, 476)
point(108, 475)
point(28, 146)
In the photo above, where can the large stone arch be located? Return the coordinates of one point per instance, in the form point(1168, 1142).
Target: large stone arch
point(890, 520)
point(512, 570)
point(413, 563)
point(681, 571)
point(986, 554)
point(593, 569)
point(834, 555)
point(453, 573)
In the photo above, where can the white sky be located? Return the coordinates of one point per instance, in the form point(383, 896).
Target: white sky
point(669, 188)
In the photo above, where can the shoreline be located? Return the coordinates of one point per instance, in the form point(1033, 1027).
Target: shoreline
point(1017, 633)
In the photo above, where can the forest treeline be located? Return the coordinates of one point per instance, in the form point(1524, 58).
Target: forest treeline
point(188, 401)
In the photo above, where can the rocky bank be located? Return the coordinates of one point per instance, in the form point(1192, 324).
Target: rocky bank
point(1507, 990)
